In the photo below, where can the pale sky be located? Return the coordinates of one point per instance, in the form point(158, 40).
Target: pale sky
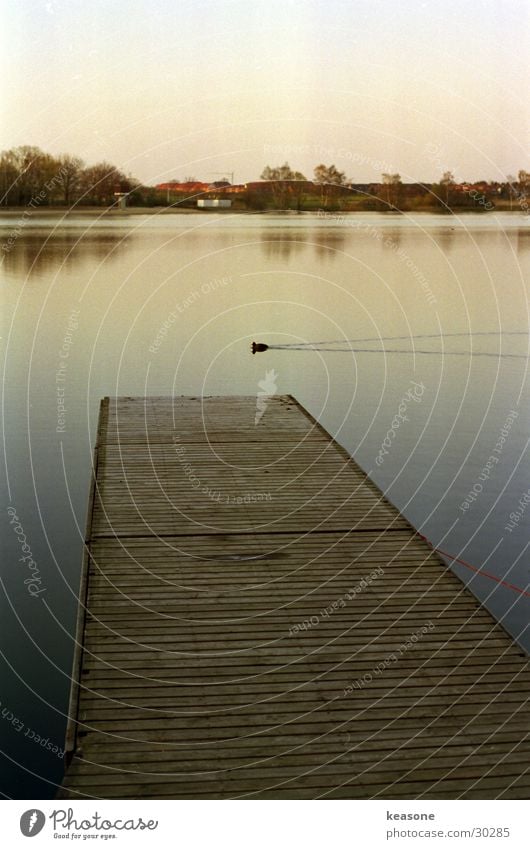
point(173, 88)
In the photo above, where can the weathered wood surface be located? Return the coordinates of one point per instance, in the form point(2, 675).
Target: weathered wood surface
point(277, 630)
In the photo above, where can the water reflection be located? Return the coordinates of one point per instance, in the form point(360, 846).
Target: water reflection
point(445, 238)
point(391, 239)
point(523, 239)
point(34, 254)
point(283, 245)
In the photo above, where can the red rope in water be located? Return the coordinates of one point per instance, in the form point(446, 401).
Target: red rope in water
point(475, 569)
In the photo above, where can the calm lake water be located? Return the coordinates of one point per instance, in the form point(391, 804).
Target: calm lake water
point(168, 305)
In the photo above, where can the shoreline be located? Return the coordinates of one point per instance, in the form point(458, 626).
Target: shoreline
point(102, 212)
point(95, 211)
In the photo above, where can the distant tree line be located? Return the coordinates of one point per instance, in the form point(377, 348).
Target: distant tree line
point(31, 177)
point(330, 189)
point(292, 189)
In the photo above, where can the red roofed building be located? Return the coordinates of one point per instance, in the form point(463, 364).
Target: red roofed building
point(192, 187)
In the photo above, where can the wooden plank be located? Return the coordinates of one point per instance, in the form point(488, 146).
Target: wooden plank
point(263, 649)
point(73, 703)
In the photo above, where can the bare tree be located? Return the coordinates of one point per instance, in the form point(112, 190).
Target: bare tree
point(8, 179)
point(283, 180)
point(34, 169)
point(281, 172)
point(100, 181)
point(447, 182)
point(328, 176)
point(393, 184)
point(69, 176)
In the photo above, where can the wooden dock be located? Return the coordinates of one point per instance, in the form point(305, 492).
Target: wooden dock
point(257, 621)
